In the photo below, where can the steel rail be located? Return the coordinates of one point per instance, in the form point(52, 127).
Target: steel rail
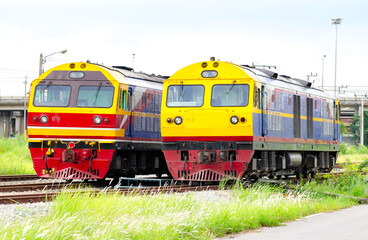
point(17, 177)
point(49, 196)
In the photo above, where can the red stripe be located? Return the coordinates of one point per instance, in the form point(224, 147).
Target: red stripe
point(209, 138)
point(247, 139)
point(71, 136)
point(72, 120)
point(294, 140)
point(94, 137)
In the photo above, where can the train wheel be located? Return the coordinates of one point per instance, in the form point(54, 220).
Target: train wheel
point(67, 181)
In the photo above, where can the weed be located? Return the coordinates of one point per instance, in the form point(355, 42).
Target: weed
point(15, 157)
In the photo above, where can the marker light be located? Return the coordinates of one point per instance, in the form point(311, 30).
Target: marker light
point(97, 120)
point(234, 119)
point(71, 145)
point(209, 74)
point(35, 119)
point(178, 120)
point(44, 119)
point(169, 120)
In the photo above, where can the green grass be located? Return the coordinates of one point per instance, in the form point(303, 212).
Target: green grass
point(351, 184)
point(352, 153)
point(15, 157)
point(176, 216)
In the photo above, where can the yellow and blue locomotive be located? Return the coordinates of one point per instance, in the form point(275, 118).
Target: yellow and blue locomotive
point(222, 120)
point(87, 121)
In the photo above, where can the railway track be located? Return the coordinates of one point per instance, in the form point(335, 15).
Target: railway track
point(51, 190)
point(49, 196)
point(6, 178)
point(34, 186)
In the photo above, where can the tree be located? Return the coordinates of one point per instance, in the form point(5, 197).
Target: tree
point(355, 128)
point(342, 128)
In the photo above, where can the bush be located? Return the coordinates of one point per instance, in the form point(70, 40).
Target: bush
point(15, 156)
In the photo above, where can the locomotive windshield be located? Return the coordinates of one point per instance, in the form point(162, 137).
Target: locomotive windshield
point(51, 96)
point(95, 96)
point(185, 96)
point(230, 95)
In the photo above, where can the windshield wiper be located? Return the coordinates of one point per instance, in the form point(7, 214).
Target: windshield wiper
point(182, 91)
point(229, 90)
point(97, 92)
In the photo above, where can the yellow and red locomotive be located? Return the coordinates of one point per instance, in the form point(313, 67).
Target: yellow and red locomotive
point(87, 121)
point(222, 120)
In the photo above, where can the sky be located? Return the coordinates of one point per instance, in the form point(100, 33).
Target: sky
point(167, 35)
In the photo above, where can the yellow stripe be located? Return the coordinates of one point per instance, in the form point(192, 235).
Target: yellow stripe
point(288, 115)
point(77, 132)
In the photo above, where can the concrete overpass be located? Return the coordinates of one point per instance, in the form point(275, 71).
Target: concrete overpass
point(12, 111)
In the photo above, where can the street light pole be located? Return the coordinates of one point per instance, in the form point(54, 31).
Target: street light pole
point(336, 21)
point(362, 123)
point(43, 59)
point(323, 71)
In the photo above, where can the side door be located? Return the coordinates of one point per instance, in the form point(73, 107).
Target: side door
point(335, 121)
point(263, 119)
point(310, 118)
point(296, 111)
point(131, 112)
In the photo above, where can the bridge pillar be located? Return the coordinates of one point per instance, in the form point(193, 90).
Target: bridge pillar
point(2, 129)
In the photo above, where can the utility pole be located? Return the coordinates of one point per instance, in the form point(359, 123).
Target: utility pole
point(336, 21)
point(323, 71)
point(361, 117)
point(25, 105)
point(133, 61)
point(40, 70)
point(362, 123)
point(311, 75)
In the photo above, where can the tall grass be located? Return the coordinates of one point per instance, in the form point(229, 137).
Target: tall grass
point(15, 157)
point(176, 216)
point(352, 184)
point(352, 153)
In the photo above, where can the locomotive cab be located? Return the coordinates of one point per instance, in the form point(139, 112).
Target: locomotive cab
point(83, 122)
point(206, 119)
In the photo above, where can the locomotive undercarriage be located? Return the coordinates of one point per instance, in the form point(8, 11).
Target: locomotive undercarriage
point(214, 161)
point(132, 163)
point(285, 163)
point(91, 160)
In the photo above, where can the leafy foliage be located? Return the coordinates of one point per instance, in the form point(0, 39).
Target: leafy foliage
point(355, 128)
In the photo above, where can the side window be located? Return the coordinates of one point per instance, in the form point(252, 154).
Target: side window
point(144, 99)
point(255, 100)
point(124, 104)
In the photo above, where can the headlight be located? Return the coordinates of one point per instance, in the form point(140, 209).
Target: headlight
point(178, 120)
point(97, 120)
point(234, 119)
point(44, 119)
